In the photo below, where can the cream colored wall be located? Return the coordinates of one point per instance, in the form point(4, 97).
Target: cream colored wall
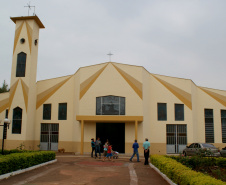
point(195, 107)
point(147, 92)
point(18, 100)
point(86, 72)
point(31, 111)
point(28, 115)
point(106, 85)
point(207, 102)
point(160, 94)
point(76, 127)
point(64, 94)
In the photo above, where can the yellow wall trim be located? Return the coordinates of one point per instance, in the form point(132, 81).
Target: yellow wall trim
point(220, 98)
point(135, 84)
point(12, 92)
point(179, 93)
point(109, 118)
point(84, 86)
point(25, 93)
point(42, 97)
point(4, 104)
point(29, 33)
point(17, 35)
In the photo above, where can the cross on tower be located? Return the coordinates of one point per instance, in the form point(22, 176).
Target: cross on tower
point(109, 56)
point(29, 7)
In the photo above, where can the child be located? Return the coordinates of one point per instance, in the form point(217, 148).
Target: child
point(109, 153)
point(105, 149)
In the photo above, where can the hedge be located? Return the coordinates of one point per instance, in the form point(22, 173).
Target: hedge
point(196, 161)
point(181, 174)
point(17, 161)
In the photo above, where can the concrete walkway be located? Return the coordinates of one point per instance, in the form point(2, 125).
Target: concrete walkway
point(83, 170)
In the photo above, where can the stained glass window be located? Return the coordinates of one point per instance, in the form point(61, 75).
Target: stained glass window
point(110, 105)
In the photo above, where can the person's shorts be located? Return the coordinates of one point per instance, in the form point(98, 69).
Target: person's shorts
point(109, 155)
point(105, 153)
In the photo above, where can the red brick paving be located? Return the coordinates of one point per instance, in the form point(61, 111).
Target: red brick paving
point(71, 170)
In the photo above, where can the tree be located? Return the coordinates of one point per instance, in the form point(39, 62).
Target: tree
point(4, 87)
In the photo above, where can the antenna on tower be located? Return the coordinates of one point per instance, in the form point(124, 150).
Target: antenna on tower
point(29, 7)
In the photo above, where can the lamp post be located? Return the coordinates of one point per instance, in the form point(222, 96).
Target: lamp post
point(6, 123)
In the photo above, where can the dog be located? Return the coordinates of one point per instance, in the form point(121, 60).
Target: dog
point(61, 150)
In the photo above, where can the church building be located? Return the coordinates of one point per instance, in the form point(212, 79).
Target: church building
point(114, 101)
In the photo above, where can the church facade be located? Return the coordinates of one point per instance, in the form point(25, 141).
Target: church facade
point(110, 100)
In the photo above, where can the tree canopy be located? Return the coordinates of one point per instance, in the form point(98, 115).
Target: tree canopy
point(4, 87)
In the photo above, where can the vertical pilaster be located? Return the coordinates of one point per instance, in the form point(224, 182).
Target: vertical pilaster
point(136, 125)
point(82, 136)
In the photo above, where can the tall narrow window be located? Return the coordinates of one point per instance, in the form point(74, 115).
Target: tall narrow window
point(162, 112)
point(179, 112)
point(21, 64)
point(223, 125)
point(46, 111)
point(17, 120)
point(110, 105)
point(209, 127)
point(62, 112)
point(6, 113)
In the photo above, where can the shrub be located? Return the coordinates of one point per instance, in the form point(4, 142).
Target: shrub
point(17, 161)
point(181, 174)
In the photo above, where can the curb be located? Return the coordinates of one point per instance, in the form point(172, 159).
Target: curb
point(7, 175)
point(162, 174)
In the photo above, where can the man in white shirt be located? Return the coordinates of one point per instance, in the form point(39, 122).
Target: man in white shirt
point(146, 146)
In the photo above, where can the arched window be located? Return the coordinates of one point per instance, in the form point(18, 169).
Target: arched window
point(110, 105)
point(21, 64)
point(17, 120)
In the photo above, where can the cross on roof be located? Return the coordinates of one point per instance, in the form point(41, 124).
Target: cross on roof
point(29, 7)
point(109, 56)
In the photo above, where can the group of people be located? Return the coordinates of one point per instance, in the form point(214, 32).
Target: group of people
point(107, 149)
point(108, 152)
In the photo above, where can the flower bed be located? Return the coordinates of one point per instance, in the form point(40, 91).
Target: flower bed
point(181, 174)
point(17, 161)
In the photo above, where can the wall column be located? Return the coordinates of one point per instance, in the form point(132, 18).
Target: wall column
point(82, 136)
point(136, 124)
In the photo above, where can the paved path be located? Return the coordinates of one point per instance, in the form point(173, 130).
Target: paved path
point(75, 170)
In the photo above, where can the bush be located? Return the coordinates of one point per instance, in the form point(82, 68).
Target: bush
point(17, 161)
point(195, 162)
point(181, 174)
point(7, 152)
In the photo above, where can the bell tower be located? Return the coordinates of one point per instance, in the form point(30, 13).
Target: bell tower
point(22, 98)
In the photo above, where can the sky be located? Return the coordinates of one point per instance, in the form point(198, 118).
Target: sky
point(184, 39)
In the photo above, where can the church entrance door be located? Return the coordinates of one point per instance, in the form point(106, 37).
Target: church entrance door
point(114, 132)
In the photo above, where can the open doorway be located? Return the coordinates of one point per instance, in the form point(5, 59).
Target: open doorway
point(114, 132)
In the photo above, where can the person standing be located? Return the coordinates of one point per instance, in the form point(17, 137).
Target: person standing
point(93, 146)
point(97, 147)
point(135, 151)
point(146, 146)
